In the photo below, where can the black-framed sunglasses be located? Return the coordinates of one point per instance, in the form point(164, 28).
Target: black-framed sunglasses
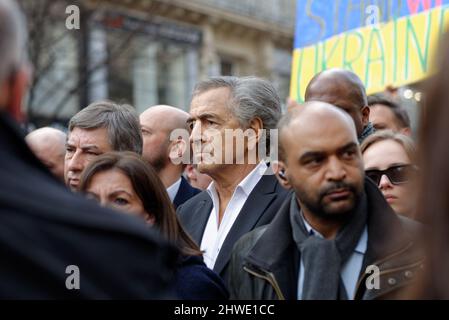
point(397, 174)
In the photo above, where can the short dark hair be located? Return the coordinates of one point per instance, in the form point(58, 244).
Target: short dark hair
point(399, 112)
point(121, 121)
point(149, 189)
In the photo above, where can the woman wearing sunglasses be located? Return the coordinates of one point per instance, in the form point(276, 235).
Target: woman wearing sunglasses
point(389, 159)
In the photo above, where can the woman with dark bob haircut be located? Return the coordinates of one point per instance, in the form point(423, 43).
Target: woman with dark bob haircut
point(122, 180)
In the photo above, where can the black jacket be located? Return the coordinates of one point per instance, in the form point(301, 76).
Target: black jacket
point(258, 210)
point(44, 228)
point(185, 192)
point(265, 262)
point(195, 281)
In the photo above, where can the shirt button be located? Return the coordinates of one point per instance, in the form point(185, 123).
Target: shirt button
point(408, 274)
point(391, 281)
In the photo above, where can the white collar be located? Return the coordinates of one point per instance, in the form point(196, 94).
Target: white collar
point(247, 184)
point(173, 189)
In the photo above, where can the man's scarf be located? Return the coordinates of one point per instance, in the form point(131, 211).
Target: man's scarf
point(323, 259)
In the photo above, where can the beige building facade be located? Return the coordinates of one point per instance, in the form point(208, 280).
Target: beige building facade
point(147, 52)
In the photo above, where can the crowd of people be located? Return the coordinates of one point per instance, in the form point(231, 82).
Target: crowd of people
point(142, 211)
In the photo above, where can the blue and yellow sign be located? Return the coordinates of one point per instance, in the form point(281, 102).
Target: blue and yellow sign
point(387, 42)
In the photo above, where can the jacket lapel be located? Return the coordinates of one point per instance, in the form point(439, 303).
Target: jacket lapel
point(182, 194)
point(255, 206)
point(199, 219)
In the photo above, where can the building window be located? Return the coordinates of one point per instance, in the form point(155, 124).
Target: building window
point(148, 70)
point(226, 67)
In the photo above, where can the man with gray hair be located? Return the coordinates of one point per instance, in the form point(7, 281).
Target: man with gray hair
point(55, 244)
point(48, 144)
point(100, 127)
point(242, 195)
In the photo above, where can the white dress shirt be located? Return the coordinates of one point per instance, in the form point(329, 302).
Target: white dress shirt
point(214, 234)
point(350, 271)
point(173, 189)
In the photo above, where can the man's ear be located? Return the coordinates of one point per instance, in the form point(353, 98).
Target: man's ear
point(280, 171)
point(177, 149)
point(293, 105)
point(365, 115)
point(256, 125)
point(150, 219)
point(190, 172)
point(406, 131)
point(13, 90)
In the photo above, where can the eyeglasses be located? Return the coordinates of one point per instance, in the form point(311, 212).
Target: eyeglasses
point(397, 174)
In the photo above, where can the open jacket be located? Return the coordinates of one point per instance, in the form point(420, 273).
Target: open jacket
point(261, 206)
point(265, 262)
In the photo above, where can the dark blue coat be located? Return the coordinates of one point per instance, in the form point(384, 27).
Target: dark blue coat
point(195, 281)
point(185, 192)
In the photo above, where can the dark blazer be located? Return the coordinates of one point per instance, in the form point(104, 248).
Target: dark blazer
point(195, 281)
point(258, 210)
point(44, 228)
point(185, 192)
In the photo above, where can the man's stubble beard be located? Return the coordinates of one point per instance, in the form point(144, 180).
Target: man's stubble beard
point(319, 210)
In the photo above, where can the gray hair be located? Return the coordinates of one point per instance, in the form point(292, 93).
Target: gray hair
point(251, 98)
point(121, 120)
point(13, 37)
